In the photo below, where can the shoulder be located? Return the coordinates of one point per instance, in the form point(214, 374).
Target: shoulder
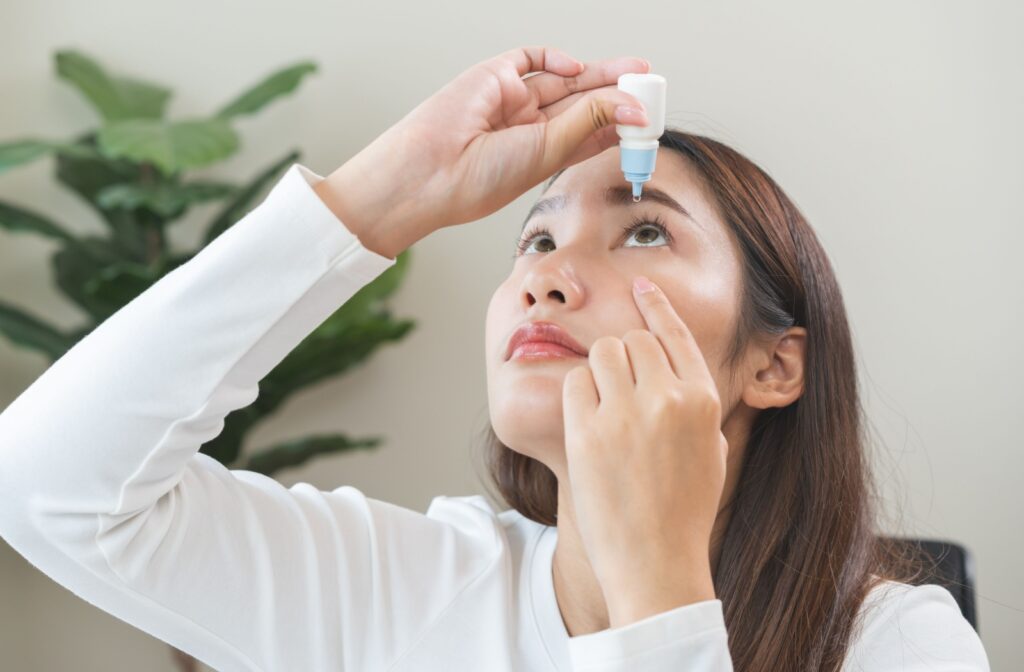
point(505, 530)
point(904, 626)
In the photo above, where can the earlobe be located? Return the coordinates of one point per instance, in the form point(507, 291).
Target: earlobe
point(780, 379)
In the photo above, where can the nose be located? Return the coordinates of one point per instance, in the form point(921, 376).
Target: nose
point(555, 285)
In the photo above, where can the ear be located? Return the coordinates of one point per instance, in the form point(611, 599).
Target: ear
point(780, 380)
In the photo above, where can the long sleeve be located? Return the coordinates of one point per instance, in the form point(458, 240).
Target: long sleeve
point(904, 628)
point(103, 489)
point(689, 638)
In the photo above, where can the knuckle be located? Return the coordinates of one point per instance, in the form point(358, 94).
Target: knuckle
point(598, 114)
point(678, 331)
point(572, 84)
point(638, 336)
point(705, 403)
point(605, 347)
point(674, 397)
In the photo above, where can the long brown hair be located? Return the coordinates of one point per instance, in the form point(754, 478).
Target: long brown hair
point(800, 549)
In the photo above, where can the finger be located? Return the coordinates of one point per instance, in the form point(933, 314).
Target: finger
point(533, 59)
point(548, 87)
point(648, 358)
point(609, 364)
point(675, 336)
point(556, 108)
point(579, 396)
point(594, 145)
point(566, 132)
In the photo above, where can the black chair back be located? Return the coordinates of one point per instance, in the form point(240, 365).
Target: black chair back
point(953, 566)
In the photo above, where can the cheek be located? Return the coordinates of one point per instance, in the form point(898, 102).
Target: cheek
point(708, 307)
point(497, 322)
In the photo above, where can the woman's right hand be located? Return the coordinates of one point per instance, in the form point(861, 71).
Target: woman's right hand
point(479, 143)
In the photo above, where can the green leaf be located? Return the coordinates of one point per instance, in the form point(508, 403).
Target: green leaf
point(167, 199)
point(14, 218)
point(115, 285)
point(23, 151)
point(77, 265)
point(88, 176)
point(294, 453)
point(115, 98)
point(30, 332)
point(243, 200)
point(171, 146)
point(142, 100)
point(278, 84)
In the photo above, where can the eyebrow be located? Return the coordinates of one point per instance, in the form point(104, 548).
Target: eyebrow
point(621, 195)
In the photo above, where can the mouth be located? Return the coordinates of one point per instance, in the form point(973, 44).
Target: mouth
point(543, 339)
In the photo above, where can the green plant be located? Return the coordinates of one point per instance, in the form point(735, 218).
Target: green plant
point(130, 170)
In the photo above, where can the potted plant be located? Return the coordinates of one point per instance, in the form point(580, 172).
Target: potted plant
point(131, 171)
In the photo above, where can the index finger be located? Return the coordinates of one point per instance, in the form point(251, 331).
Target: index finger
point(676, 338)
point(549, 87)
point(534, 59)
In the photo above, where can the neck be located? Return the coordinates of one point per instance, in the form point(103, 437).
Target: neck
point(580, 599)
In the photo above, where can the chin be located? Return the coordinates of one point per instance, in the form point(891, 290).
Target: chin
point(528, 391)
point(528, 415)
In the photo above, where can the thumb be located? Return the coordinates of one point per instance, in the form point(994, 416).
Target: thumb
point(570, 136)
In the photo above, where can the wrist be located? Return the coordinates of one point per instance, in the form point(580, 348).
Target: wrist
point(368, 204)
point(647, 593)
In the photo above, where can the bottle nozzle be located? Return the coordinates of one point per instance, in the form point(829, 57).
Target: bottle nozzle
point(637, 167)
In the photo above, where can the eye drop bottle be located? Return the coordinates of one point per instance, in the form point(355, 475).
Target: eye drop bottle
point(638, 145)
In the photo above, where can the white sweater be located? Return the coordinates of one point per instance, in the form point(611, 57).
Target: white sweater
point(103, 490)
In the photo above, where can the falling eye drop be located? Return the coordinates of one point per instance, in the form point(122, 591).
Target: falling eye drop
point(638, 145)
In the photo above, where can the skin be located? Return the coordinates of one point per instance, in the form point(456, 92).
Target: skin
point(638, 536)
point(581, 278)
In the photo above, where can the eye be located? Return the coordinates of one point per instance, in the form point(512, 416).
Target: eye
point(641, 223)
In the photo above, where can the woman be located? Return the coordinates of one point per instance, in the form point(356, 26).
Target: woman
point(686, 478)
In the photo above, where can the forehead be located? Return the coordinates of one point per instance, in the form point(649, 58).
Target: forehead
point(673, 173)
point(598, 183)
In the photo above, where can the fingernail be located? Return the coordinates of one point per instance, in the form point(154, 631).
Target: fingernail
point(642, 285)
point(627, 113)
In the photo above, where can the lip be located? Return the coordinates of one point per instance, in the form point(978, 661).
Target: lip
point(544, 332)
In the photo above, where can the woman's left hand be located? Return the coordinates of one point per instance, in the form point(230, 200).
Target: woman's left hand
point(647, 463)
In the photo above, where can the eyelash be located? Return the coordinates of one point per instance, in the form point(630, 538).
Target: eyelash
point(637, 224)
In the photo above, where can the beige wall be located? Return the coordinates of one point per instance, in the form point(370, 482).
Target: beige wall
point(895, 126)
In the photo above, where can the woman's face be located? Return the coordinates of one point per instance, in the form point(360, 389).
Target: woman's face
point(580, 277)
